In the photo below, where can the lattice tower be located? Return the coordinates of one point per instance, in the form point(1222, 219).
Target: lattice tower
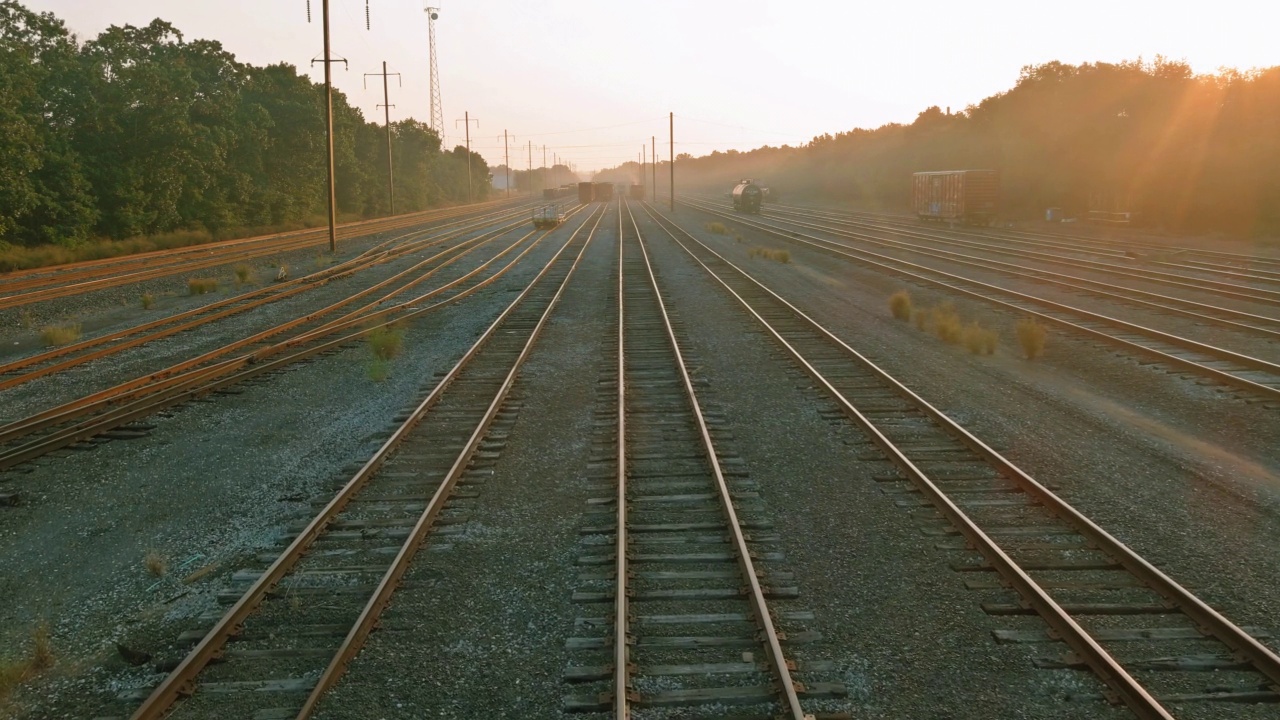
point(437, 111)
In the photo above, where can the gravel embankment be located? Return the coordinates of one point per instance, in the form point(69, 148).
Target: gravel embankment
point(214, 483)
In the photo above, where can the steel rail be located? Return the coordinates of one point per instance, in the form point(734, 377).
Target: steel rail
point(180, 682)
point(205, 314)
point(622, 667)
point(1095, 287)
point(202, 381)
point(364, 625)
point(1212, 622)
point(1220, 353)
point(760, 607)
point(173, 374)
point(97, 281)
point(1074, 242)
point(1241, 292)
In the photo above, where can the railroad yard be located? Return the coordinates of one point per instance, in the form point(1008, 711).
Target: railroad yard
point(647, 463)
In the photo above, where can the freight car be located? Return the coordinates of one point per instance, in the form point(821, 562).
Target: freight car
point(636, 191)
point(747, 197)
point(968, 196)
point(602, 191)
point(585, 193)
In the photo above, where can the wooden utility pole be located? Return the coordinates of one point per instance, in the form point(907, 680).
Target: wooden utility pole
point(328, 111)
point(506, 163)
point(386, 100)
point(653, 164)
point(672, 129)
point(466, 119)
point(530, 178)
point(544, 167)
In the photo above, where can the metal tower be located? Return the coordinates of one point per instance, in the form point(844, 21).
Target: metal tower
point(437, 112)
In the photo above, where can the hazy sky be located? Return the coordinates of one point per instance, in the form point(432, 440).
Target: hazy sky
point(593, 80)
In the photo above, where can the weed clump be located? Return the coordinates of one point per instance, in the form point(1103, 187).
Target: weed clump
point(900, 305)
point(16, 672)
point(201, 286)
point(716, 228)
point(379, 370)
point(386, 342)
point(155, 563)
point(245, 274)
point(148, 301)
point(1031, 337)
point(781, 256)
point(60, 334)
point(979, 340)
point(946, 324)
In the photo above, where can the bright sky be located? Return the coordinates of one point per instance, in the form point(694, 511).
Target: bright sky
point(592, 80)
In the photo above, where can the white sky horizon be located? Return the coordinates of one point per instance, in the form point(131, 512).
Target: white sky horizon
point(593, 81)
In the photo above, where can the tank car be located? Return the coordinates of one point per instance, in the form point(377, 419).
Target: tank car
point(747, 197)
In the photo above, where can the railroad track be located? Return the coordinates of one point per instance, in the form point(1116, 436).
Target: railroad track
point(26, 287)
point(1150, 641)
point(988, 244)
point(58, 359)
point(1247, 322)
point(1258, 379)
point(287, 639)
point(693, 618)
point(1247, 267)
point(107, 415)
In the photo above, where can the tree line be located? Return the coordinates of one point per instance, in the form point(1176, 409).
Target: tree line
point(1190, 153)
point(139, 131)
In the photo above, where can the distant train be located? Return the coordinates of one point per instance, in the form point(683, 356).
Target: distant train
point(747, 197)
point(562, 191)
point(968, 196)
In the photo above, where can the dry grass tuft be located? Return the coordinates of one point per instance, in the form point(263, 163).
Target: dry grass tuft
point(716, 228)
point(900, 305)
point(60, 334)
point(148, 301)
point(386, 342)
point(245, 274)
point(1031, 336)
point(15, 672)
point(979, 340)
point(201, 286)
point(781, 256)
point(737, 237)
point(946, 323)
point(155, 563)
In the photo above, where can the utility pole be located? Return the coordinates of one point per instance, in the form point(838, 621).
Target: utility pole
point(506, 163)
point(653, 164)
point(530, 178)
point(671, 118)
point(467, 119)
point(544, 167)
point(328, 104)
point(386, 99)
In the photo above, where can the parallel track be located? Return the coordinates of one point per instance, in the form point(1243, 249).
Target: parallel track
point(275, 635)
point(80, 421)
point(26, 369)
point(1260, 378)
point(25, 287)
point(1148, 639)
point(1246, 267)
